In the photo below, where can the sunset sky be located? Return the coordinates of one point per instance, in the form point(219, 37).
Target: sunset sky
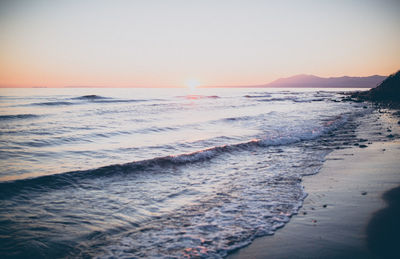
point(167, 43)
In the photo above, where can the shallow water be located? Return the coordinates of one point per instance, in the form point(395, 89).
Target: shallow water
point(158, 173)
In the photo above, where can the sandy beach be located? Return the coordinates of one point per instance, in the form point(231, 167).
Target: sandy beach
point(350, 211)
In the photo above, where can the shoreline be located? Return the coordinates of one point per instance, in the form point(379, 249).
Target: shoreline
point(344, 200)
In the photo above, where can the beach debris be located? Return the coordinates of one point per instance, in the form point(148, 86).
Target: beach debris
point(314, 221)
point(325, 205)
point(304, 212)
point(362, 146)
point(364, 193)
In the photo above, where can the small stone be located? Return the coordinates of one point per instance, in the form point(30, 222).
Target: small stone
point(325, 205)
point(390, 136)
point(362, 146)
point(364, 193)
point(305, 213)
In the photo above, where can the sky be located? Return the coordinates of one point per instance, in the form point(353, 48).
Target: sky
point(153, 43)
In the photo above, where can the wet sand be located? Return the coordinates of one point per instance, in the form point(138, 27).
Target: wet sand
point(348, 213)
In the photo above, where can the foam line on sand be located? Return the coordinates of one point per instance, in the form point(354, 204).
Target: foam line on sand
point(346, 212)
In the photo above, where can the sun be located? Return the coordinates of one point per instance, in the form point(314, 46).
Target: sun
point(192, 84)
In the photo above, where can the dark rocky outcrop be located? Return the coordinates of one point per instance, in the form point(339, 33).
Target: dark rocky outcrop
point(387, 93)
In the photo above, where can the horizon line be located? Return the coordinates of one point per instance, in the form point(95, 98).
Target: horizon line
point(264, 85)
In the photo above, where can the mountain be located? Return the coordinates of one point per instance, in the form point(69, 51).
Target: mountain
point(331, 82)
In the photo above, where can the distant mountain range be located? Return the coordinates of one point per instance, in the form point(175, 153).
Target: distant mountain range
point(330, 82)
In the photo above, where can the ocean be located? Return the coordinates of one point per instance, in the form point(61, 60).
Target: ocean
point(160, 173)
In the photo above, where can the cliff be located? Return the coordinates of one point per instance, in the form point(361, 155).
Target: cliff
point(387, 92)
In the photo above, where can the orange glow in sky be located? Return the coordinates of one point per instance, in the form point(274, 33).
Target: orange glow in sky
point(159, 43)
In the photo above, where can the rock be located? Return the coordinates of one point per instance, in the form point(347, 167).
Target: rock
point(364, 193)
point(386, 93)
point(325, 205)
point(362, 146)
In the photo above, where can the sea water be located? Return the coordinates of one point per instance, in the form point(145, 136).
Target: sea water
point(159, 173)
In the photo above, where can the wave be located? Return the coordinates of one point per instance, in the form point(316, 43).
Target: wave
point(248, 117)
point(18, 116)
point(308, 100)
point(119, 101)
point(101, 99)
point(258, 96)
point(90, 97)
point(278, 99)
point(239, 118)
point(56, 103)
point(75, 178)
point(196, 97)
point(291, 98)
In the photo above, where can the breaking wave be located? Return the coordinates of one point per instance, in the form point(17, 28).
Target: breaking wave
point(73, 178)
